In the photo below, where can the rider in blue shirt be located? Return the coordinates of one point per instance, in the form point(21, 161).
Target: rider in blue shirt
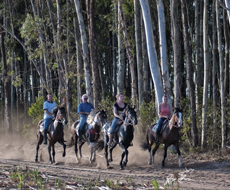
point(48, 115)
point(83, 110)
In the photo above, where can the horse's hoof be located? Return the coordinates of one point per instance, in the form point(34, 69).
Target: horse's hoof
point(63, 155)
point(109, 167)
point(121, 168)
point(110, 160)
point(36, 160)
point(124, 163)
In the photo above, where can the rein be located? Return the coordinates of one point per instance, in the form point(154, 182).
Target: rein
point(172, 121)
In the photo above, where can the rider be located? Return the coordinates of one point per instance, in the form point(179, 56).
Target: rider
point(118, 108)
point(84, 110)
point(163, 113)
point(48, 115)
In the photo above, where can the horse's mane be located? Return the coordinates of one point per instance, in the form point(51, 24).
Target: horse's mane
point(91, 116)
point(55, 110)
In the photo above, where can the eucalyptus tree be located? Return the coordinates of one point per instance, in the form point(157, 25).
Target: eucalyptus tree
point(177, 57)
point(163, 51)
point(206, 72)
point(93, 51)
point(85, 50)
point(221, 63)
point(214, 70)
point(138, 44)
point(227, 3)
point(153, 63)
point(44, 55)
point(129, 52)
point(191, 86)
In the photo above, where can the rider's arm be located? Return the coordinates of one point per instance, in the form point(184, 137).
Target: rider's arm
point(47, 112)
point(115, 113)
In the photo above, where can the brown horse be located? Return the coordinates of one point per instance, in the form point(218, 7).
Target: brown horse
point(91, 133)
point(170, 136)
point(55, 133)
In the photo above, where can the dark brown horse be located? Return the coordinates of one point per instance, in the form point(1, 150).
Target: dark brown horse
point(170, 136)
point(91, 133)
point(123, 136)
point(55, 133)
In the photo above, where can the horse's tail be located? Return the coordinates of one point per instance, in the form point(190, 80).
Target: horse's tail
point(145, 144)
point(100, 145)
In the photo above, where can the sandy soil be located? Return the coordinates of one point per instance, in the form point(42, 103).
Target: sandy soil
point(200, 171)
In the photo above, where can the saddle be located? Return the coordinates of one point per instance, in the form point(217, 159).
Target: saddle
point(164, 124)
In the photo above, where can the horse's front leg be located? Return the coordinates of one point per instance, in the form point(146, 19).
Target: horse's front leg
point(165, 155)
point(49, 151)
point(64, 148)
point(122, 157)
point(92, 153)
point(80, 149)
point(111, 152)
point(53, 153)
point(106, 150)
point(75, 148)
point(179, 155)
point(40, 139)
point(151, 160)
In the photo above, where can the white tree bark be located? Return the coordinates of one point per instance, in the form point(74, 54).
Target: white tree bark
point(206, 71)
point(221, 62)
point(154, 68)
point(85, 50)
point(138, 50)
point(227, 4)
point(163, 51)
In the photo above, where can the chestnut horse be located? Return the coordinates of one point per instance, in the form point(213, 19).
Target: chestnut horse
point(55, 133)
point(122, 136)
point(91, 133)
point(170, 136)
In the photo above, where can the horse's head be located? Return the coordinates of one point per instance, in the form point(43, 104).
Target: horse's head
point(131, 116)
point(60, 114)
point(178, 116)
point(102, 117)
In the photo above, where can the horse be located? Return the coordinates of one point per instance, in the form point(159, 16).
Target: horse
point(55, 133)
point(91, 133)
point(123, 136)
point(170, 136)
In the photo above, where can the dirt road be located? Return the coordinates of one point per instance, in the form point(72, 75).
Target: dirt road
point(200, 171)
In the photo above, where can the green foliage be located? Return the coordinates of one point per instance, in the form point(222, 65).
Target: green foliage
point(36, 110)
point(148, 115)
point(155, 184)
point(107, 105)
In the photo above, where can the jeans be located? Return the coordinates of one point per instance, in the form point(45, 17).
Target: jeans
point(159, 125)
point(47, 121)
point(82, 123)
point(114, 124)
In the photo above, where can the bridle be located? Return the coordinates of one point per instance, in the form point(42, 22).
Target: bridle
point(175, 120)
point(129, 119)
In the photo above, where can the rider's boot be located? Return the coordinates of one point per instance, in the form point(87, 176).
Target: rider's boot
point(45, 136)
point(110, 143)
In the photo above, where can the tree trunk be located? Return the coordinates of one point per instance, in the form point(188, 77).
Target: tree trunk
point(214, 71)
point(206, 71)
point(221, 62)
point(138, 50)
point(163, 51)
point(93, 52)
point(191, 86)
point(176, 41)
point(154, 67)
point(227, 3)
point(121, 59)
point(85, 50)
point(128, 50)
